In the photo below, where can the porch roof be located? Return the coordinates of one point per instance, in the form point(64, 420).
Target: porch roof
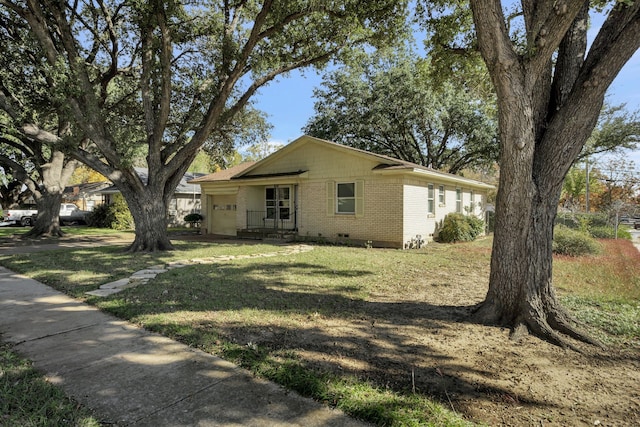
point(269, 175)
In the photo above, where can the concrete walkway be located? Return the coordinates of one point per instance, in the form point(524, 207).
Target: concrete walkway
point(129, 376)
point(150, 273)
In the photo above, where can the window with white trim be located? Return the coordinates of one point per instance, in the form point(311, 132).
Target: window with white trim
point(441, 198)
point(346, 198)
point(430, 200)
point(472, 197)
point(459, 200)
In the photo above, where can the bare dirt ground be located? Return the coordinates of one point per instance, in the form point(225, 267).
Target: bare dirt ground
point(423, 345)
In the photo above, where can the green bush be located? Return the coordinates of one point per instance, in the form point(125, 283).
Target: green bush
point(477, 226)
point(583, 221)
point(598, 220)
point(608, 232)
point(624, 233)
point(193, 218)
point(115, 215)
point(596, 225)
point(573, 243)
point(600, 232)
point(457, 227)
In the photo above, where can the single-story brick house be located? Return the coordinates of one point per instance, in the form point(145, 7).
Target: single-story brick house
point(319, 189)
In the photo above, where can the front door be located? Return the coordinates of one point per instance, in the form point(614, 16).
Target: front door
point(279, 207)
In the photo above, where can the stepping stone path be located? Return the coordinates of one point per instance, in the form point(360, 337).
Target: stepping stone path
point(143, 276)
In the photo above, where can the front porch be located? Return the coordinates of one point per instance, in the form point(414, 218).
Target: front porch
point(278, 223)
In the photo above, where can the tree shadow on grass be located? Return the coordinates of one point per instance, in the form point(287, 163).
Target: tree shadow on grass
point(313, 316)
point(270, 310)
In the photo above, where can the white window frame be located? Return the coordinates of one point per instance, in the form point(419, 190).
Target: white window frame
point(441, 195)
point(338, 198)
point(459, 200)
point(431, 202)
point(472, 201)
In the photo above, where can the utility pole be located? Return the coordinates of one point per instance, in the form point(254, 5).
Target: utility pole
point(587, 184)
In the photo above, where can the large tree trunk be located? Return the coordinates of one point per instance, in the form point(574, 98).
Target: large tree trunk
point(150, 217)
point(55, 175)
point(543, 128)
point(47, 222)
point(521, 295)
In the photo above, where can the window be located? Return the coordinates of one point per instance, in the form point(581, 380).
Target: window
point(346, 198)
point(441, 195)
point(430, 200)
point(458, 200)
point(270, 202)
point(472, 207)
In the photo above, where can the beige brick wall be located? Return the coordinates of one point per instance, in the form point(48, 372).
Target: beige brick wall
point(380, 222)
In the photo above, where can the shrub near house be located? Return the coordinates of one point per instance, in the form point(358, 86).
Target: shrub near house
point(193, 219)
point(457, 227)
point(115, 215)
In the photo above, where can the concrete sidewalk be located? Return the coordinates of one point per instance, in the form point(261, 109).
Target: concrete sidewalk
point(129, 376)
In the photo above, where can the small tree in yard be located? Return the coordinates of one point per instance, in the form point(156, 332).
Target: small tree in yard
point(194, 219)
point(550, 92)
point(162, 80)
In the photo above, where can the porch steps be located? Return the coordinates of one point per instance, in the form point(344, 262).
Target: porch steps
point(261, 234)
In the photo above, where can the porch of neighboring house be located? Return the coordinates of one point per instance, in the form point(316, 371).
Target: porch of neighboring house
point(270, 211)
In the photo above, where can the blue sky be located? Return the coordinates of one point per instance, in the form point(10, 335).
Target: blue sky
point(289, 100)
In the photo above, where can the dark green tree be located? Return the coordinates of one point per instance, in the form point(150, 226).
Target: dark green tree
point(391, 105)
point(31, 147)
point(161, 79)
point(44, 173)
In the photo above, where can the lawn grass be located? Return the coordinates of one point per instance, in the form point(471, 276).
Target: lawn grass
point(27, 400)
point(604, 291)
point(187, 304)
point(76, 271)
point(69, 231)
point(228, 308)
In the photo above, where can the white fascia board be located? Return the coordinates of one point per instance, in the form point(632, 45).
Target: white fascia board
point(438, 177)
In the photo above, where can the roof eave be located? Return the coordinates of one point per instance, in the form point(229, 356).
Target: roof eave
point(270, 179)
point(437, 176)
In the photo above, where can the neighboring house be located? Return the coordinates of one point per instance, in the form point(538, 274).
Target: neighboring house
point(85, 196)
point(185, 200)
point(319, 189)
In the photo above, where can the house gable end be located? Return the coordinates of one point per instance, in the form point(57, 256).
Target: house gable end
point(315, 158)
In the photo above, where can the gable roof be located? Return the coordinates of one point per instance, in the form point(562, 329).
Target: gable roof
point(184, 187)
point(223, 175)
point(386, 165)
